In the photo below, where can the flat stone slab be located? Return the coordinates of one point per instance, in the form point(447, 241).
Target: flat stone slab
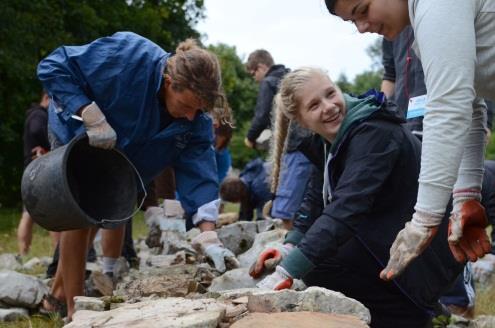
point(261, 241)
point(35, 261)
point(10, 262)
point(20, 290)
point(314, 299)
point(160, 261)
point(239, 236)
point(170, 312)
point(172, 281)
point(298, 320)
point(233, 279)
point(88, 303)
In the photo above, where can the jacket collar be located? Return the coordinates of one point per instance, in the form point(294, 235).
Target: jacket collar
point(358, 109)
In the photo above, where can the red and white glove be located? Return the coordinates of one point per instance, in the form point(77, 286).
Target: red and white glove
point(468, 239)
point(269, 259)
point(278, 280)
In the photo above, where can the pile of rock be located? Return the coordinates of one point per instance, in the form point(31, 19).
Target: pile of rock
point(236, 308)
point(176, 287)
point(19, 294)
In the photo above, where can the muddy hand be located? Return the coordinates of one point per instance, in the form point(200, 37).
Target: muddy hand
point(409, 244)
point(468, 239)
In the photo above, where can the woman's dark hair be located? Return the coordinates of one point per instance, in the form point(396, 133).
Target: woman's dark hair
point(331, 6)
point(232, 189)
point(223, 135)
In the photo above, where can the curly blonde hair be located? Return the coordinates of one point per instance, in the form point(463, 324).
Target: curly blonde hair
point(198, 70)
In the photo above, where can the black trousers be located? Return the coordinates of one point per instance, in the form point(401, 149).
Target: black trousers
point(388, 306)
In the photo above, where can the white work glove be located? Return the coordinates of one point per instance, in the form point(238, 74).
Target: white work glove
point(100, 133)
point(208, 243)
point(269, 258)
point(409, 244)
point(278, 280)
point(484, 268)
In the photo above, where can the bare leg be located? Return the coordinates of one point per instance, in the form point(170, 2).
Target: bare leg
point(57, 287)
point(73, 249)
point(55, 236)
point(25, 233)
point(112, 241)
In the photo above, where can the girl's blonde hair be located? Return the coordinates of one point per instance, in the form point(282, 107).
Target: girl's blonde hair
point(286, 105)
point(198, 70)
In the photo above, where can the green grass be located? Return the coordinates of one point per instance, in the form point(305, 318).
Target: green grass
point(35, 321)
point(41, 243)
point(9, 219)
point(231, 207)
point(139, 228)
point(490, 149)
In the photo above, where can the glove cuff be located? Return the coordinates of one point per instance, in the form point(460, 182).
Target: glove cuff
point(286, 249)
point(284, 273)
point(425, 219)
point(92, 115)
point(297, 264)
point(465, 194)
point(293, 237)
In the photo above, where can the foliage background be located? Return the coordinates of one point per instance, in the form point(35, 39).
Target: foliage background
point(31, 29)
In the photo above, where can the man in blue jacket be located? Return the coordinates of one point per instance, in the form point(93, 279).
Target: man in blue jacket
point(124, 91)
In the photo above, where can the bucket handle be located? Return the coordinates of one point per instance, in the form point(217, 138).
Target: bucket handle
point(142, 186)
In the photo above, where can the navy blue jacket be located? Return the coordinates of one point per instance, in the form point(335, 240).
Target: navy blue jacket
point(372, 198)
point(35, 131)
point(267, 90)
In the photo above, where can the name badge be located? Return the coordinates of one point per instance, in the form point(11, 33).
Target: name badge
point(416, 107)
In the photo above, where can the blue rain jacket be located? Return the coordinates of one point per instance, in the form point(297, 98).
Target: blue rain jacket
point(123, 74)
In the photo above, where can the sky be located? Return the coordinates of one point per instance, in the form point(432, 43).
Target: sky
point(296, 32)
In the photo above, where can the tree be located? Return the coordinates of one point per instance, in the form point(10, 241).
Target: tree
point(374, 51)
point(370, 79)
point(241, 91)
point(31, 29)
point(239, 87)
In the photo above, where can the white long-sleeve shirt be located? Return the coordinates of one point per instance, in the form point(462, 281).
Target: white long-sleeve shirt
point(455, 40)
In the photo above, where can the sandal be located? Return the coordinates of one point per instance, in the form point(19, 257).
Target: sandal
point(58, 307)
